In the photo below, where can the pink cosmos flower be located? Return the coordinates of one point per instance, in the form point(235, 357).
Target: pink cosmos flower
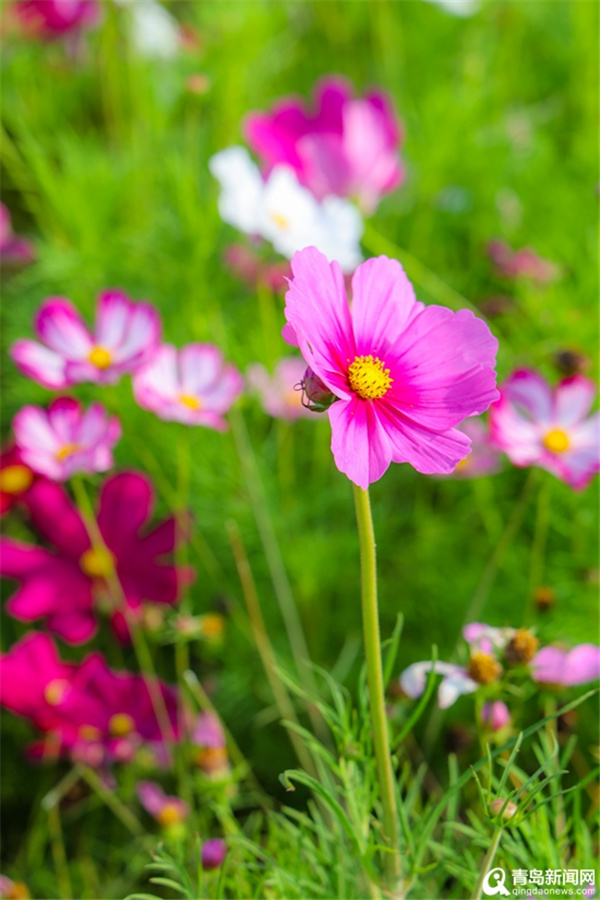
point(208, 735)
point(125, 337)
point(559, 667)
point(484, 458)
point(495, 714)
point(524, 262)
point(13, 250)
point(540, 426)
point(165, 809)
point(347, 147)
point(66, 584)
point(280, 393)
point(249, 267)
point(65, 438)
point(15, 478)
point(52, 19)
point(404, 374)
point(193, 386)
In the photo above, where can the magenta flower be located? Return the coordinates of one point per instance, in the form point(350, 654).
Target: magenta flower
point(347, 147)
point(536, 425)
point(125, 337)
point(525, 262)
point(165, 809)
point(496, 715)
point(213, 853)
point(14, 250)
point(65, 439)
point(65, 585)
point(559, 667)
point(15, 478)
point(193, 386)
point(281, 392)
point(404, 374)
point(52, 19)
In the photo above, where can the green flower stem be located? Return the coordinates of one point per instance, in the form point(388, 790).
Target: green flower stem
point(59, 853)
point(538, 548)
point(368, 565)
point(487, 863)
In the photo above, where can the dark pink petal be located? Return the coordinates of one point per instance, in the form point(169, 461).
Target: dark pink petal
point(318, 311)
point(126, 502)
point(60, 326)
point(383, 303)
point(57, 519)
point(360, 445)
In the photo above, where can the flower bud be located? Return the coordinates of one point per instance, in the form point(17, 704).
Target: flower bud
point(498, 807)
point(316, 396)
point(496, 715)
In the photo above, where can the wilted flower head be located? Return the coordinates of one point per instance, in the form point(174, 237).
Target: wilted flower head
point(193, 385)
point(167, 810)
point(525, 262)
point(284, 213)
point(555, 666)
point(52, 19)
point(348, 146)
point(404, 374)
point(65, 585)
point(281, 392)
point(65, 438)
point(535, 424)
point(14, 250)
point(125, 336)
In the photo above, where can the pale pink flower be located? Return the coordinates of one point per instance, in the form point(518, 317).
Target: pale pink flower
point(125, 337)
point(525, 262)
point(404, 374)
point(65, 438)
point(14, 250)
point(559, 667)
point(536, 425)
point(167, 810)
point(281, 392)
point(194, 385)
point(484, 458)
point(496, 714)
point(348, 146)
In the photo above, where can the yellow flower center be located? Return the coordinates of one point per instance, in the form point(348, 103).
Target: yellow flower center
point(484, 668)
point(280, 220)
point(97, 562)
point(55, 691)
point(89, 733)
point(368, 378)
point(66, 451)
point(15, 479)
point(212, 759)
point(100, 357)
point(556, 441)
point(189, 401)
point(212, 625)
point(170, 814)
point(121, 724)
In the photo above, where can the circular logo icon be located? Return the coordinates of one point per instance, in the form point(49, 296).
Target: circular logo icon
point(493, 883)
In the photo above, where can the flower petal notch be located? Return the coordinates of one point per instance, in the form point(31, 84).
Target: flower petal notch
point(404, 375)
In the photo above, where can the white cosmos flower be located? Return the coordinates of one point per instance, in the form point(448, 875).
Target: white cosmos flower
point(154, 31)
point(458, 7)
point(283, 212)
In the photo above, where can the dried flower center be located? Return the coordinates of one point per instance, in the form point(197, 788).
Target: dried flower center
point(100, 357)
point(483, 668)
point(121, 724)
point(170, 814)
point(212, 759)
point(556, 441)
point(521, 648)
point(55, 690)
point(15, 479)
point(368, 378)
point(66, 451)
point(189, 401)
point(97, 562)
point(280, 220)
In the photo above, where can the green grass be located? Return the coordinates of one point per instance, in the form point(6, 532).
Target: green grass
point(105, 165)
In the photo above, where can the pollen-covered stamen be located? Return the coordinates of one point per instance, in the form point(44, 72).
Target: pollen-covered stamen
point(368, 378)
point(55, 691)
point(97, 562)
point(66, 451)
point(280, 220)
point(557, 441)
point(15, 479)
point(100, 357)
point(190, 402)
point(483, 668)
point(121, 724)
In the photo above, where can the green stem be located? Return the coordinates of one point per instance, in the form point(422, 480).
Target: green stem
point(59, 854)
point(381, 743)
point(538, 548)
point(487, 863)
